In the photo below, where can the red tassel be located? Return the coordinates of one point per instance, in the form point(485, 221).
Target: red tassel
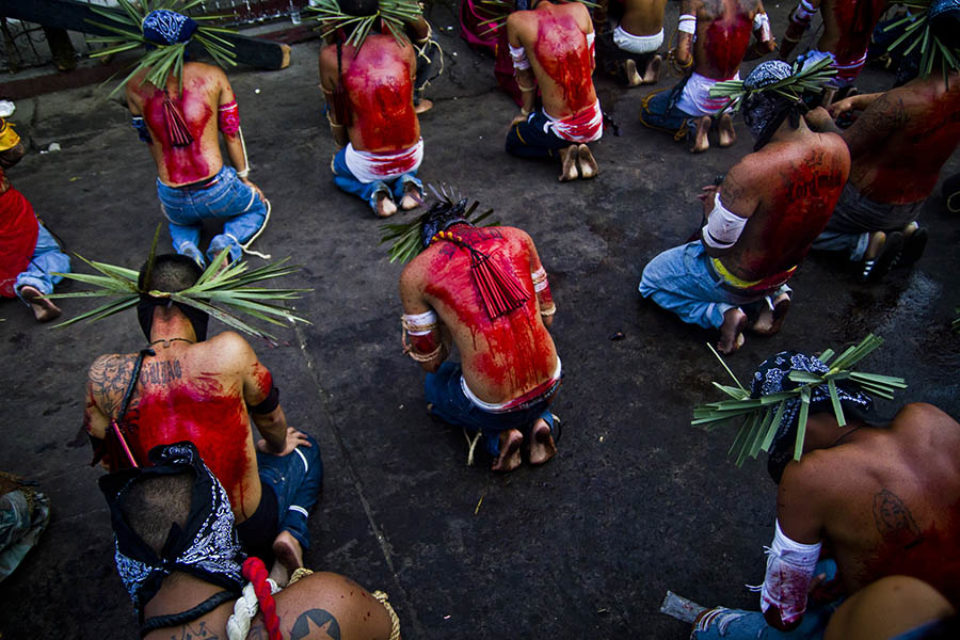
point(177, 132)
point(255, 571)
point(499, 291)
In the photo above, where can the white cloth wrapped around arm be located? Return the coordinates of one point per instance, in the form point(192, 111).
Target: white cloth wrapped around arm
point(519, 57)
point(723, 226)
point(790, 569)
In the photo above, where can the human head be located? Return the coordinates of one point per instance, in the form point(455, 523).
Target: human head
point(173, 515)
point(165, 27)
point(772, 376)
point(944, 17)
point(170, 273)
point(765, 111)
point(359, 8)
point(440, 217)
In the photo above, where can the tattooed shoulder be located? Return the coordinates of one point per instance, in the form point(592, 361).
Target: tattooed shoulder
point(894, 521)
point(109, 376)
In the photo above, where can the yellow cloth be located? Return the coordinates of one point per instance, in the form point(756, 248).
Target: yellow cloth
point(8, 137)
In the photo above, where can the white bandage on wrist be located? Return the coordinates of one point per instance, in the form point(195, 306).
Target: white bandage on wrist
point(687, 23)
point(519, 57)
point(244, 173)
point(723, 227)
point(419, 324)
point(761, 23)
point(539, 279)
point(790, 569)
point(803, 12)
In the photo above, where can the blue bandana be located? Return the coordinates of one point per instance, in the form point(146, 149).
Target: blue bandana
point(167, 27)
point(772, 376)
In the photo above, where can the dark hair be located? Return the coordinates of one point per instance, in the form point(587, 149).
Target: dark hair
point(152, 505)
point(170, 272)
point(360, 8)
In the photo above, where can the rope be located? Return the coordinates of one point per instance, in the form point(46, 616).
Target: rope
point(255, 571)
point(381, 597)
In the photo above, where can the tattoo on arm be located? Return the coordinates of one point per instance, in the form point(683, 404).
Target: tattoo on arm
point(321, 619)
point(875, 125)
point(894, 520)
point(192, 631)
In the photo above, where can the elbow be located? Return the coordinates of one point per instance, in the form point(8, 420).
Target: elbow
point(431, 366)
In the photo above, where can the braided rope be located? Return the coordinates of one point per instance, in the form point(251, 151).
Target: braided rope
point(255, 571)
point(381, 597)
point(244, 609)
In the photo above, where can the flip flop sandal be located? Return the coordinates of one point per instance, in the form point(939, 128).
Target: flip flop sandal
point(875, 268)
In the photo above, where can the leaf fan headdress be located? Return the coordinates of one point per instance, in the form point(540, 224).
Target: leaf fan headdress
point(782, 391)
point(931, 28)
point(358, 17)
point(165, 30)
point(226, 292)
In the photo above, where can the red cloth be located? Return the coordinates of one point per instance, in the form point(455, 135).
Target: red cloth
point(18, 238)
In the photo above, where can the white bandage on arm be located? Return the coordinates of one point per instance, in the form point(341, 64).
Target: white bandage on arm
point(519, 57)
point(790, 569)
point(539, 279)
point(419, 324)
point(803, 12)
point(723, 227)
point(687, 23)
point(761, 24)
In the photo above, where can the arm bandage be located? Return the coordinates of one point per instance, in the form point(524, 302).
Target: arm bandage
point(790, 569)
point(542, 289)
point(519, 57)
point(421, 328)
point(687, 23)
point(803, 13)
point(761, 25)
point(539, 279)
point(228, 118)
point(723, 226)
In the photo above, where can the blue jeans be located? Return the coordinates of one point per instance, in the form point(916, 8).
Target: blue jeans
point(295, 479)
point(659, 110)
point(47, 259)
point(738, 624)
point(442, 389)
point(682, 280)
point(370, 191)
point(226, 198)
point(528, 139)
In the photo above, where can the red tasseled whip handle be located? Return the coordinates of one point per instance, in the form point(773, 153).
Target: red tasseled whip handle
point(256, 572)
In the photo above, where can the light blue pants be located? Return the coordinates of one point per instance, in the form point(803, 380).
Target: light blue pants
point(370, 191)
point(683, 281)
point(226, 198)
point(47, 259)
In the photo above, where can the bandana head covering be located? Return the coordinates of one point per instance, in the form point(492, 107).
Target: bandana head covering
point(764, 112)
point(772, 376)
point(207, 547)
point(359, 8)
point(944, 17)
point(441, 216)
point(168, 27)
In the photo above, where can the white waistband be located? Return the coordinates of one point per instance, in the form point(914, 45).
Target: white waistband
point(636, 44)
point(696, 100)
point(582, 127)
point(499, 406)
point(367, 166)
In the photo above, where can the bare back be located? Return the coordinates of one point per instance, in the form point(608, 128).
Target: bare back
point(848, 26)
point(189, 392)
point(889, 500)
point(502, 358)
point(205, 88)
point(796, 185)
point(379, 82)
point(903, 139)
point(555, 40)
point(724, 28)
point(643, 17)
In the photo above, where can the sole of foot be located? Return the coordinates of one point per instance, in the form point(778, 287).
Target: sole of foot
point(726, 135)
point(731, 332)
point(653, 71)
point(385, 206)
point(424, 106)
point(43, 309)
point(770, 321)
point(568, 164)
point(412, 198)
point(631, 73)
point(701, 139)
point(509, 458)
point(586, 163)
point(542, 445)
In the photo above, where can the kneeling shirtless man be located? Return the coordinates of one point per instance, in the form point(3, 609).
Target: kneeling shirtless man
point(485, 290)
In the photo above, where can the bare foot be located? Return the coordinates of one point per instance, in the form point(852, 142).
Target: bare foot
point(586, 163)
point(630, 71)
point(425, 105)
point(726, 136)
point(289, 557)
point(731, 332)
point(412, 198)
point(542, 446)
point(568, 158)
point(509, 458)
point(701, 142)
point(43, 309)
point(385, 206)
point(770, 321)
point(654, 67)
